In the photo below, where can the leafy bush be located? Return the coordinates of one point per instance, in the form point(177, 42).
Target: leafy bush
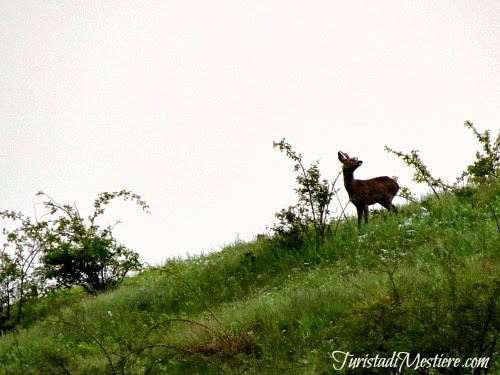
point(486, 166)
point(81, 253)
point(96, 264)
point(310, 218)
point(421, 172)
point(484, 169)
point(19, 260)
point(61, 251)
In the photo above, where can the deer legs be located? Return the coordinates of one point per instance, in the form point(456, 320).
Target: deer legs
point(362, 211)
point(389, 206)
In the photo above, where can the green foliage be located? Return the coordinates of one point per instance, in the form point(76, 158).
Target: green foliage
point(61, 251)
point(486, 166)
point(309, 218)
point(464, 325)
point(80, 252)
point(421, 173)
point(20, 255)
point(483, 170)
point(96, 264)
point(8, 277)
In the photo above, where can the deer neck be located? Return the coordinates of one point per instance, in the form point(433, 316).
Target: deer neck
point(349, 181)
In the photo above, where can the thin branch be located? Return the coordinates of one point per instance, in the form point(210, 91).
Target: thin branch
point(341, 214)
point(494, 216)
point(199, 298)
point(142, 347)
point(93, 338)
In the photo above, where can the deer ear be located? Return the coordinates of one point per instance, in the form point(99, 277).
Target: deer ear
point(341, 156)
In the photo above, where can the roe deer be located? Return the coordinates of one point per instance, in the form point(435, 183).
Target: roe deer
point(363, 193)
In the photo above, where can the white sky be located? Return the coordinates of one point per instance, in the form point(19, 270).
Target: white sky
point(180, 101)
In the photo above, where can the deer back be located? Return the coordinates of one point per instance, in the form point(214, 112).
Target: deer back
point(374, 190)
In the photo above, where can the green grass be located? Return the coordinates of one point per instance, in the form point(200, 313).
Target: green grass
point(425, 281)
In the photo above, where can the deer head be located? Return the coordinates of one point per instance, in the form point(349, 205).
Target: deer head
point(349, 164)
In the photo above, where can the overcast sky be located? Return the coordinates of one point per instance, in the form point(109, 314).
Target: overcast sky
point(180, 102)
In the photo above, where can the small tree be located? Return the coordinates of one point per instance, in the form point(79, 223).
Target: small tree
point(486, 166)
point(309, 218)
point(62, 250)
point(8, 276)
point(20, 279)
point(82, 253)
point(421, 172)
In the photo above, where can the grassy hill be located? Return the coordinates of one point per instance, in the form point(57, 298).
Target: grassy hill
point(424, 282)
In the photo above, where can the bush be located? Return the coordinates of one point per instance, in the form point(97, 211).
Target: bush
point(79, 253)
point(309, 219)
point(61, 251)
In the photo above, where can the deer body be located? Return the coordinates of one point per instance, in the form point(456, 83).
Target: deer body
point(363, 193)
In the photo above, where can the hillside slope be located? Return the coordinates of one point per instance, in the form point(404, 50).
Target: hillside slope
point(424, 282)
